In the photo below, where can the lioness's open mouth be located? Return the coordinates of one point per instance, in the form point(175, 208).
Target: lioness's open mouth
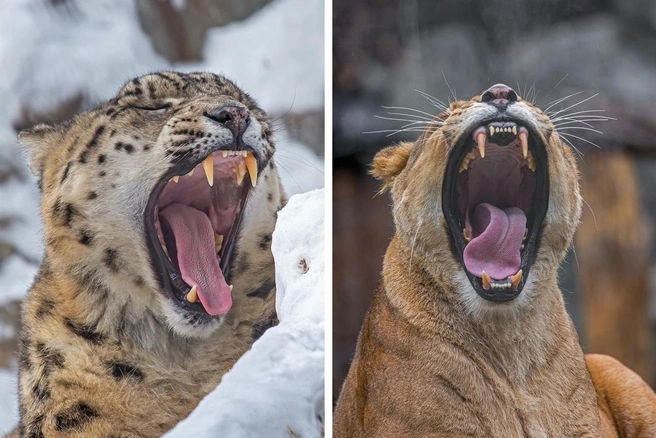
point(495, 197)
point(192, 221)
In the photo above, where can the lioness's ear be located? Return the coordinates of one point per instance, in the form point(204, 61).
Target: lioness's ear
point(389, 162)
point(39, 142)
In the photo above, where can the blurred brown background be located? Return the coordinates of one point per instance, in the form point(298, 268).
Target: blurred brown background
point(548, 49)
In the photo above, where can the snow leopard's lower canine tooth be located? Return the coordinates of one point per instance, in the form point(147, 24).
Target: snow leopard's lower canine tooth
point(192, 296)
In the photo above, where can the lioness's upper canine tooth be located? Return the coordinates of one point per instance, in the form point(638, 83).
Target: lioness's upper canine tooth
point(523, 139)
point(514, 130)
point(515, 279)
point(230, 288)
point(251, 165)
point(192, 296)
point(481, 139)
point(176, 178)
point(467, 235)
point(244, 153)
point(487, 282)
point(218, 241)
point(208, 166)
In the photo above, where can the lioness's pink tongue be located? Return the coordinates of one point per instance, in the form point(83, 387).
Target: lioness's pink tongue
point(194, 241)
point(498, 239)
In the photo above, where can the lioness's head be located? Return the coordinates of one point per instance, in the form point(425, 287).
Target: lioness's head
point(155, 194)
point(488, 195)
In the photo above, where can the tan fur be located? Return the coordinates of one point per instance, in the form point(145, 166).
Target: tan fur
point(103, 351)
point(627, 404)
point(436, 360)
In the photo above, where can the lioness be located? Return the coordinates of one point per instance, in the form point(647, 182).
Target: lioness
point(468, 334)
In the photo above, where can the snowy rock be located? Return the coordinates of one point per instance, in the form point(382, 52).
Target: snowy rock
point(277, 388)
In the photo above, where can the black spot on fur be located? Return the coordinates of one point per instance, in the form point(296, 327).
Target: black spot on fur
point(45, 308)
point(69, 213)
point(264, 290)
point(124, 146)
point(110, 111)
point(51, 357)
point(111, 259)
point(263, 326)
point(139, 281)
point(94, 140)
point(66, 170)
point(121, 371)
point(243, 264)
point(74, 417)
point(271, 164)
point(101, 158)
point(151, 90)
point(265, 241)
point(85, 332)
point(103, 173)
point(85, 237)
point(146, 147)
point(270, 197)
point(92, 195)
point(135, 92)
point(33, 428)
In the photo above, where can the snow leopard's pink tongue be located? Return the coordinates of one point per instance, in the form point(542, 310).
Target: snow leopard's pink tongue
point(194, 241)
point(495, 247)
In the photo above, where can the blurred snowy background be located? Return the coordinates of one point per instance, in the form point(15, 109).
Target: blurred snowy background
point(60, 57)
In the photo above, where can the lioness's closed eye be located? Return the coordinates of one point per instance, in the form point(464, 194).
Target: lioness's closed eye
point(468, 334)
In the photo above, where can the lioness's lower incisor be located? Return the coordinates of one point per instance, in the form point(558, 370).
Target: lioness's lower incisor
point(468, 335)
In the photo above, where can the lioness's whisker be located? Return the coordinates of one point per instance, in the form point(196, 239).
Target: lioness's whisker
point(583, 128)
point(401, 120)
point(435, 101)
point(582, 139)
point(578, 152)
point(416, 116)
point(576, 104)
point(557, 101)
point(408, 109)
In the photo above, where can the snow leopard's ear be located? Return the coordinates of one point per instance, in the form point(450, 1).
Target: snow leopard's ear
point(39, 142)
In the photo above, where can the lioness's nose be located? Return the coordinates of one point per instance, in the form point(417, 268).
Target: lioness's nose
point(499, 95)
point(235, 118)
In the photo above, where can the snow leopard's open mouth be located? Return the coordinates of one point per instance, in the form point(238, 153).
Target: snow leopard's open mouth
point(495, 197)
point(192, 222)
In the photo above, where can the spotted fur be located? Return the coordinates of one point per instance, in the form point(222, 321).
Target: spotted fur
point(103, 351)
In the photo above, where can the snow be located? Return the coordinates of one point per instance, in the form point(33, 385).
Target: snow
point(8, 402)
point(50, 55)
point(262, 55)
point(277, 388)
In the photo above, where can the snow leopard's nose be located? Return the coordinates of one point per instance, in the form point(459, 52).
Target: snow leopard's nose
point(235, 118)
point(499, 95)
